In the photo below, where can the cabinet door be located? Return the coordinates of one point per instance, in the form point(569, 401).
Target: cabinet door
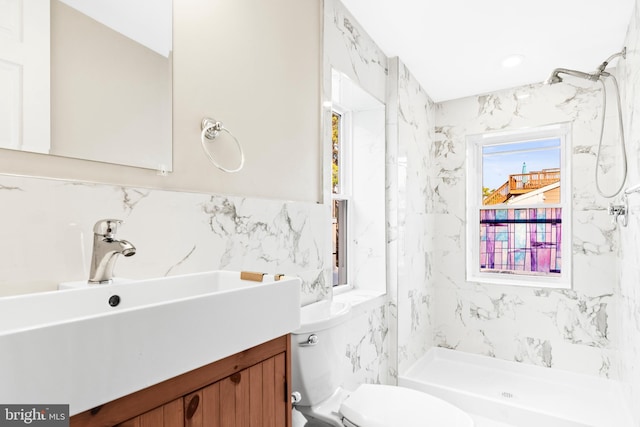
point(253, 397)
point(168, 415)
point(25, 75)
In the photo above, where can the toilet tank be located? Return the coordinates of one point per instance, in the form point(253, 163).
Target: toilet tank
point(317, 349)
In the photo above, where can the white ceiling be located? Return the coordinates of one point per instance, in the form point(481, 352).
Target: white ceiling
point(455, 47)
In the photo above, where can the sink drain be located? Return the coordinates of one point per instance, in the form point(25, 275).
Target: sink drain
point(114, 300)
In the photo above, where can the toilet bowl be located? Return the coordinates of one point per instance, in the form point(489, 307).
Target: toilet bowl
point(317, 347)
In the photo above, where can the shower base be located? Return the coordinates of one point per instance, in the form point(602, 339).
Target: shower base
point(499, 393)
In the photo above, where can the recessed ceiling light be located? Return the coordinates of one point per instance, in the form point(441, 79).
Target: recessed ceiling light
point(512, 61)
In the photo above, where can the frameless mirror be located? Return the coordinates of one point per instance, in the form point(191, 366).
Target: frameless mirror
point(88, 79)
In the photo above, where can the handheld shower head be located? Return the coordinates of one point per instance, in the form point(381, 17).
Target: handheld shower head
point(554, 78)
point(555, 75)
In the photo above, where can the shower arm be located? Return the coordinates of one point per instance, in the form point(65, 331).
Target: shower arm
point(602, 66)
point(600, 71)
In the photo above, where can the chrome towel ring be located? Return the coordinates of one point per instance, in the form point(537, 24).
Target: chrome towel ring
point(210, 131)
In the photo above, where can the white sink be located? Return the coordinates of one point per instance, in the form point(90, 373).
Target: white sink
point(73, 347)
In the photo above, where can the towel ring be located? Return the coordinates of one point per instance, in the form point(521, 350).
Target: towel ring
point(210, 130)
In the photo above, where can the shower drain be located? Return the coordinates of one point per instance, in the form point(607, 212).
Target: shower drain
point(507, 395)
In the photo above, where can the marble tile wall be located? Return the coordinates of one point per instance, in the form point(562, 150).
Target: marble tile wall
point(415, 296)
point(349, 49)
point(568, 329)
point(407, 318)
point(367, 352)
point(47, 237)
point(367, 234)
point(629, 253)
point(370, 353)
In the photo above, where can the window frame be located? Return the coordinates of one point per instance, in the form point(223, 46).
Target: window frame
point(475, 143)
point(344, 185)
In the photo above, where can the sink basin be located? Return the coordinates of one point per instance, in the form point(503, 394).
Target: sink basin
point(79, 347)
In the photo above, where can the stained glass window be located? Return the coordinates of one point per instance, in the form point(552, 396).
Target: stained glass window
point(525, 240)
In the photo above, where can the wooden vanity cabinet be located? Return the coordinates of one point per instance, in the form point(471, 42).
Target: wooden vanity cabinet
point(248, 389)
point(168, 415)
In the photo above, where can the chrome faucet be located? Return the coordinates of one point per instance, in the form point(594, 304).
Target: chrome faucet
point(106, 249)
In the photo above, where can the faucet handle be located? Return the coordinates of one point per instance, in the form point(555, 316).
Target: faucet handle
point(107, 227)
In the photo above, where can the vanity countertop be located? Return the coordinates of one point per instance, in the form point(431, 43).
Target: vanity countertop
point(86, 347)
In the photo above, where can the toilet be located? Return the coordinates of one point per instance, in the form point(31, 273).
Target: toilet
point(317, 347)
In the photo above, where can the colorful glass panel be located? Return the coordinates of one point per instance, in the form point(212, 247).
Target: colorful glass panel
point(521, 241)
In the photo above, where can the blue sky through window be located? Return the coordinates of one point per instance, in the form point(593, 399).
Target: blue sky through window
point(501, 160)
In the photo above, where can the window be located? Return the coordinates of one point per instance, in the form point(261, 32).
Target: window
point(355, 179)
point(518, 193)
point(339, 196)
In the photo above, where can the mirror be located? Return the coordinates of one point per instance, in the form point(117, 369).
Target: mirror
point(88, 79)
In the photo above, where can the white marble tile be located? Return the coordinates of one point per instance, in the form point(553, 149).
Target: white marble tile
point(416, 133)
point(369, 354)
point(628, 341)
point(366, 356)
point(392, 214)
point(350, 50)
point(174, 233)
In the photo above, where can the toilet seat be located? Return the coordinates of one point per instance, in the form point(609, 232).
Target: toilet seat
point(373, 405)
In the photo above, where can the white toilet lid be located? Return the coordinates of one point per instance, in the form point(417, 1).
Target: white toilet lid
point(373, 405)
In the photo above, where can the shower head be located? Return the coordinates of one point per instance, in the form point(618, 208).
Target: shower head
point(555, 77)
point(600, 72)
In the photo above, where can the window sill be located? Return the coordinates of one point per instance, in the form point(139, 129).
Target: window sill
point(341, 289)
point(520, 281)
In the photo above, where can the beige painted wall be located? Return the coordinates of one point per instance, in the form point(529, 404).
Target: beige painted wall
point(110, 96)
point(255, 66)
